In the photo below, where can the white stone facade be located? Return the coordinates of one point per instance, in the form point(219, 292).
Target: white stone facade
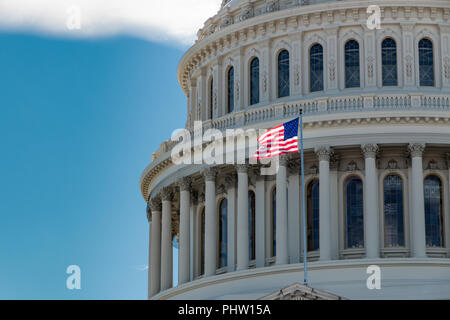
point(369, 133)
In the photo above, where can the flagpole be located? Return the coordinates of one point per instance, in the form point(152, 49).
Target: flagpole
point(305, 248)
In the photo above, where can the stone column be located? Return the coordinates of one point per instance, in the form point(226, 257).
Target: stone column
point(230, 185)
point(260, 216)
point(155, 247)
point(371, 219)
point(418, 202)
point(323, 154)
point(184, 245)
point(166, 239)
point(242, 218)
point(334, 205)
point(192, 230)
point(282, 213)
point(210, 222)
point(294, 211)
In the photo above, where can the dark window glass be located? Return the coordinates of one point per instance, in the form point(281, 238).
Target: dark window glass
point(223, 233)
point(231, 90)
point(389, 62)
point(352, 72)
point(251, 225)
point(354, 213)
point(316, 68)
point(274, 222)
point(254, 81)
point(283, 74)
point(393, 212)
point(313, 215)
point(433, 212)
point(426, 65)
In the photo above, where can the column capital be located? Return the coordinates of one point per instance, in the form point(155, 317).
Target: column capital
point(167, 194)
point(242, 168)
point(416, 149)
point(334, 161)
point(155, 205)
point(323, 153)
point(210, 174)
point(185, 184)
point(370, 150)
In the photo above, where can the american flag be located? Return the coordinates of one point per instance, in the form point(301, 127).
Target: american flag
point(279, 140)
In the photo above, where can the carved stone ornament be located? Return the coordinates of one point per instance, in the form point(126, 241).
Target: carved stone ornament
point(167, 194)
point(323, 153)
point(392, 165)
point(155, 204)
point(433, 165)
point(416, 149)
point(230, 181)
point(370, 150)
point(352, 166)
point(185, 184)
point(210, 174)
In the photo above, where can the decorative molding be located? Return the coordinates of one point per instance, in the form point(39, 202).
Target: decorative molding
point(167, 194)
point(185, 184)
point(370, 150)
point(210, 174)
point(323, 153)
point(416, 149)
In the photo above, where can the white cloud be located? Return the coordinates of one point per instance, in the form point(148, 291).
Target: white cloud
point(160, 20)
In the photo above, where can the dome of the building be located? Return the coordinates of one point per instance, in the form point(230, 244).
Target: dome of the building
point(373, 87)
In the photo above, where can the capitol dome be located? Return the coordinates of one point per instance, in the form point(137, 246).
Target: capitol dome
point(376, 106)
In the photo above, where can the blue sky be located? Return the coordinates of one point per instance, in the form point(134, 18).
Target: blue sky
point(80, 119)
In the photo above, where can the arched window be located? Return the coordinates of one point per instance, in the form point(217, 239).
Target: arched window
point(354, 213)
point(202, 242)
point(274, 222)
point(389, 62)
point(251, 225)
point(254, 81)
point(316, 68)
point(283, 74)
point(312, 210)
point(352, 72)
point(230, 90)
point(211, 98)
point(433, 212)
point(223, 233)
point(426, 64)
point(394, 235)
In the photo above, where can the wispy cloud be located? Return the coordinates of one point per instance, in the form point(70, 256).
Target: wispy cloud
point(157, 20)
point(141, 268)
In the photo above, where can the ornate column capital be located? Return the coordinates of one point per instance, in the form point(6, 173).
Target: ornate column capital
point(242, 168)
point(167, 194)
point(416, 149)
point(323, 153)
point(370, 150)
point(185, 184)
point(155, 204)
point(210, 174)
